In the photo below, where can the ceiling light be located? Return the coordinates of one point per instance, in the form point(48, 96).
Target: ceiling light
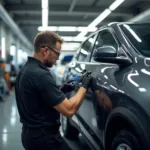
point(44, 4)
point(70, 46)
point(44, 17)
point(72, 38)
point(71, 29)
point(100, 18)
point(47, 28)
point(114, 5)
point(67, 28)
point(90, 29)
point(3, 47)
point(82, 34)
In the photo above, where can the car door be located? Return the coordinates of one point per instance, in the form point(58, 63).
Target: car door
point(96, 105)
point(75, 69)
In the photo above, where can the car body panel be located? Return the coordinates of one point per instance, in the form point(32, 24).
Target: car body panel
point(115, 86)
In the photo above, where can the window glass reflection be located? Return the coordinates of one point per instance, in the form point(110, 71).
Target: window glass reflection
point(139, 36)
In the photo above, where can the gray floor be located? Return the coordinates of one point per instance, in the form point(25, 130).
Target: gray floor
point(10, 128)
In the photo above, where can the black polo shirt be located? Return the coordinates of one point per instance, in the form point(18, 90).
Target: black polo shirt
point(36, 95)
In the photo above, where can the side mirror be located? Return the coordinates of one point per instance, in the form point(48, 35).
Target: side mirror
point(108, 54)
point(106, 51)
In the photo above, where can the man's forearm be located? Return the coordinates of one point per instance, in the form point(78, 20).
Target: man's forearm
point(77, 99)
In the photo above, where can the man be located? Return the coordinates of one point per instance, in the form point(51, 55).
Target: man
point(40, 101)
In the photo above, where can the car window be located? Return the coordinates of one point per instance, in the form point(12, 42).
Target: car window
point(85, 49)
point(139, 36)
point(105, 38)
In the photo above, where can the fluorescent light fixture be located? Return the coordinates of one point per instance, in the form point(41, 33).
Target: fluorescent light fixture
point(44, 17)
point(71, 29)
point(68, 38)
point(70, 46)
point(3, 47)
point(100, 18)
point(114, 5)
point(82, 34)
point(44, 4)
point(90, 29)
point(67, 28)
point(51, 28)
point(13, 50)
point(72, 38)
point(84, 52)
point(133, 33)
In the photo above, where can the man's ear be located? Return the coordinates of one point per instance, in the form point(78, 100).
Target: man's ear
point(45, 51)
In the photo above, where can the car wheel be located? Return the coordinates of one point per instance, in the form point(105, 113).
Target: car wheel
point(69, 131)
point(125, 140)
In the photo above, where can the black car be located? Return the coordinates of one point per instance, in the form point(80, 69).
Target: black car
point(115, 114)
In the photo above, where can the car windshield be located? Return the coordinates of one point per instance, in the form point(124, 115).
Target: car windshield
point(139, 36)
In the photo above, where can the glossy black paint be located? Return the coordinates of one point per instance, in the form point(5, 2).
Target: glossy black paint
point(120, 91)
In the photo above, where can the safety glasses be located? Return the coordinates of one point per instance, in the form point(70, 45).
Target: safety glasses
point(57, 53)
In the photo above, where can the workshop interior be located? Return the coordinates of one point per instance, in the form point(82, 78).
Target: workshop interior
point(106, 39)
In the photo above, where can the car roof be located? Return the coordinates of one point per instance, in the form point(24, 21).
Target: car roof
point(120, 23)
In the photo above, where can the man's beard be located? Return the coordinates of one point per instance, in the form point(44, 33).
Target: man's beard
point(48, 64)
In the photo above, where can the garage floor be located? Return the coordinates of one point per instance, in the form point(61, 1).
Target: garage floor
point(10, 128)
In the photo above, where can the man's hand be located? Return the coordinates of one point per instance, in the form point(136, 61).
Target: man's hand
point(86, 81)
point(67, 87)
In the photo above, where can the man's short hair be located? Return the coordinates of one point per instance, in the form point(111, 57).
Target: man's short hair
point(46, 38)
